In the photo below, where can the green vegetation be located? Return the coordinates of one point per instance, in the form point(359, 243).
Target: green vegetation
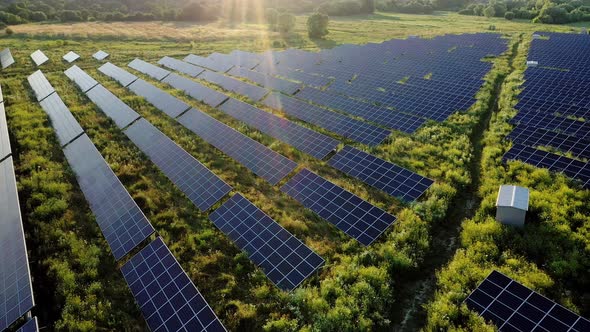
point(547, 11)
point(77, 283)
point(317, 25)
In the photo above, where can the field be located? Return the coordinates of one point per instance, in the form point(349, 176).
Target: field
point(414, 277)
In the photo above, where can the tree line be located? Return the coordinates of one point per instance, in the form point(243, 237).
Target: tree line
point(539, 11)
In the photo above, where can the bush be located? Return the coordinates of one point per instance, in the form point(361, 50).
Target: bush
point(9, 31)
point(10, 18)
point(38, 17)
point(71, 16)
point(286, 22)
point(317, 25)
point(489, 11)
point(509, 16)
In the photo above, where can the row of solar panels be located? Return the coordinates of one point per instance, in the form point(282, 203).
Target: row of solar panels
point(16, 290)
point(553, 111)
point(39, 58)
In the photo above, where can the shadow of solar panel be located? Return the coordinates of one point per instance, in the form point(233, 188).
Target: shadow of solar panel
point(39, 57)
point(149, 69)
point(41, 86)
point(388, 118)
point(82, 80)
point(351, 214)
point(16, 293)
point(266, 81)
point(536, 137)
point(302, 138)
point(180, 66)
point(5, 149)
point(100, 55)
point(514, 307)
point(1, 95)
point(121, 221)
point(195, 90)
point(30, 326)
point(6, 58)
point(573, 168)
point(196, 181)
point(160, 99)
point(118, 74)
point(168, 299)
point(253, 92)
point(65, 125)
point(207, 63)
point(286, 261)
point(555, 123)
point(113, 107)
point(392, 179)
point(71, 57)
point(261, 160)
point(340, 124)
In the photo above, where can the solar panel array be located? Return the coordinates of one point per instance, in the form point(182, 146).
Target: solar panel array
point(168, 299)
point(181, 66)
point(554, 108)
point(82, 80)
point(513, 307)
point(5, 149)
point(40, 85)
point(350, 213)
point(113, 107)
point(196, 181)
point(340, 124)
point(149, 69)
point(207, 63)
point(100, 55)
point(65, 125)
point(71, 57)
point(391, 178)
point(39, 57)
point(267, 81)
point(160, 99)
point(196, 90)
point(258, 158)
point(30, 326)
point(302, 138)
point(251, 91)
point(286, 261)
point(6, 58)
point(16, 292)
point(118, 74)
point(241, 59)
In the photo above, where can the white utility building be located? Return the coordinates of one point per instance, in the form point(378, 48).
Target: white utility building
point(512, 205)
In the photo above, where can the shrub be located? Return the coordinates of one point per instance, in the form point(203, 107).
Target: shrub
point(38, 16)
point(9, 31)
point(509, 16)
point(10, 18)
point(71, 16)
point(317, 25)
point(286, 22)
point(489, 11)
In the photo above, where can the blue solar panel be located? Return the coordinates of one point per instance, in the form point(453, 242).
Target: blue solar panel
point(394, 180)
point(30, 326)
point(16, 293)
point(197, 91)
point(118, 74)
point(160, 99)
point(82, 80)
point(196, 181)
point(65, 125)
point(168, 299)
point(253, 92)
point(113, 107)
point(242, 59)
point(207, 63)
point(122, 223)
point(5, 149)
point(513, 307)
point(340, 124)
point(302, 138)
point(536, 137)
point(149, 69)
point(286, 261)
point(40, 85)
point(181, 66)
point(351, 214)
point(555, 123)
point(266, 81)
point(261, 160)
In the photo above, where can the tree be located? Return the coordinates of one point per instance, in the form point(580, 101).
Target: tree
point(272, 18)
point(368, 6)
point(38, 16)
point(489, 11)
point(509, 16)
point(317, 25)
point(286, 22)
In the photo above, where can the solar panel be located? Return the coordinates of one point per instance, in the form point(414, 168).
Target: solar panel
point(351, 214)
point(65, 125)
point(121, 221)
point(180, 66)
point(41, 86)
point(286, 261)
point(16, 293)
point(118, 74)
point(160, 99)
point(514, 307)
point(149, 69)
point(196, 181)
point(5, 149)
point(236, 59)
point(391, 178)
point(195, 90)
point(266, 81)
point(30, 326)
point(82, 80)
point(39, 57)
point(71, 57)
point(207, 63)
point(253, 92)
point(302, 138)
point(100, 55)
point(340, 124)
point(6, 58)
point(168, 299)
point(261, 160)
point(555, 123)
point(537, 137)
point(113, 107)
